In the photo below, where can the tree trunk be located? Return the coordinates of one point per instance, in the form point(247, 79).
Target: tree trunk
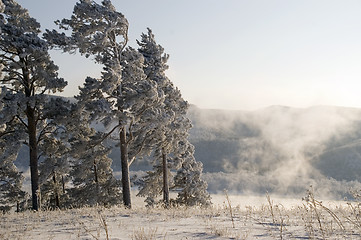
point(33, 143)
point(125, 167)
point(165, 179)
point(96, 181)
point(63, 183)
point(57, 200)
point(33, 146)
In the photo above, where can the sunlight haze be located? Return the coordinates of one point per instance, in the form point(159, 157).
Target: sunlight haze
point(239, 54)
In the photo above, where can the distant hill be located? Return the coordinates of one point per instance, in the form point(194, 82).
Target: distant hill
point(271, 138)
point(280, 149)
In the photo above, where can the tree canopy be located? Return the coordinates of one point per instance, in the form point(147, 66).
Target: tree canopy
point(133, 100)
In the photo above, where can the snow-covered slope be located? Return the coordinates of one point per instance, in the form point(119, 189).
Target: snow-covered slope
point(249, 218)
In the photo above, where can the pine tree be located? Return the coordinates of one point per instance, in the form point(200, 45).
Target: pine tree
point(171, 126)
point(122, 93)
point(11, 180)
point(28, 75)
point(173, 150)
point(155, 66)
point(77, 156)
point(192, 190)
point(54, 150)
point(92, 177)
point(54, 173)
point(151, 185)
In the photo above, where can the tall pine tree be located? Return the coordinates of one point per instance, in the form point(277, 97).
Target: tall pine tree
point(28, 74)
point(123, 94)
point(171, 132)
point(10, 178)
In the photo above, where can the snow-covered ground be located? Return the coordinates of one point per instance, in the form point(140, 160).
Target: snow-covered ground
point(248, 218)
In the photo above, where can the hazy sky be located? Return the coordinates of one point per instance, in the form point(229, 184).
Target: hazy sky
point(238, 54)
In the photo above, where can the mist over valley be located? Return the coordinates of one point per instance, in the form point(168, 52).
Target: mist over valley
point(280, 149)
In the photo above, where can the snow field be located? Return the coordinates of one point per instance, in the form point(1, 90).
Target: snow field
point(266, 219)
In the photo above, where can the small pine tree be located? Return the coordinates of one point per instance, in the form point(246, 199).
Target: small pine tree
point(92, 177)
point(54, 174)
point(192, 190)
point(11, 180)
point(152, 184)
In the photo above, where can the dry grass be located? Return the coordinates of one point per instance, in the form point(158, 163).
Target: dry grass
point(311, 219)
point(145, 234)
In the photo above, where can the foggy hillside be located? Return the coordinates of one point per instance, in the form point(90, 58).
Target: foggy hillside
point(280, 149)
point(325, 139)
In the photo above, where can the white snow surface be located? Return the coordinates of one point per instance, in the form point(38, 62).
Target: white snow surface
point(253, 218)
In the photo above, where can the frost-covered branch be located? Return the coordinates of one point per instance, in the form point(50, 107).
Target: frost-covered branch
point(106, 135)
point(2, 134)
point(22, 121)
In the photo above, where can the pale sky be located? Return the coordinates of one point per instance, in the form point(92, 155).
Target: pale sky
point(239, 54)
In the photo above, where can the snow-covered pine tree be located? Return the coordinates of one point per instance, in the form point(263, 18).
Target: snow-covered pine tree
point(171, 128)
point(173, 150)
point(54, 150)
point(169, 138)
point(93, 179)
point(28, 74)
point(188, 182)
point(11, 180)
point(54, 173)
point(151, 185)
point(155, 65)
point(192, 189)
point(123, 93)
point(78, 157)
